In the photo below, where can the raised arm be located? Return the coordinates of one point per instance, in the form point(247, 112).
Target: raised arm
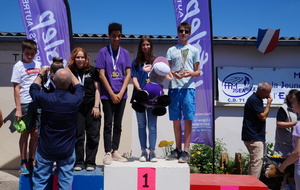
point(263, 116)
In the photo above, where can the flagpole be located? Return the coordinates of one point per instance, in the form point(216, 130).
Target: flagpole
point(70, 25)
point(212, 78)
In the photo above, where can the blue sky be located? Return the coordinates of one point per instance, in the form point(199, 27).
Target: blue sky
point(156, 17)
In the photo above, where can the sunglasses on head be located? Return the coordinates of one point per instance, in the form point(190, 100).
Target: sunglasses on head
point(185, 31)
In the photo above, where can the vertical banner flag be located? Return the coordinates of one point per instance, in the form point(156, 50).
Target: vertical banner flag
point(267, 40)
point(198, 14)
point(48, 23)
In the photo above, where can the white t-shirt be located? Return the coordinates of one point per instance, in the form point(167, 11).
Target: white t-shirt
point(183, 57)
point(24, 74)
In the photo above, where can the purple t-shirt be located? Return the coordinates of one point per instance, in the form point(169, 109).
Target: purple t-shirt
point(114, 69)
point(296, 133)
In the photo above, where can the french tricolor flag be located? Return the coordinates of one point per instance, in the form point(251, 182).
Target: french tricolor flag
point(267, 40)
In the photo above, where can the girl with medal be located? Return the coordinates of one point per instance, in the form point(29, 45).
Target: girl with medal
point(114, 64)
point(114, 58)
point(140, 78)
point(88, 122)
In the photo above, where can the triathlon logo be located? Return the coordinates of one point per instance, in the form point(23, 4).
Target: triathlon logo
point(237, 84)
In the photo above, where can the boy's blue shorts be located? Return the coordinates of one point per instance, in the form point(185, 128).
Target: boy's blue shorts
point(182, 104)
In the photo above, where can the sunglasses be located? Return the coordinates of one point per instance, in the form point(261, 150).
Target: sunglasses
point(185, 31)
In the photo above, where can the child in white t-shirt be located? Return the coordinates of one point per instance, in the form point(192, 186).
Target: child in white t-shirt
point(24, 73)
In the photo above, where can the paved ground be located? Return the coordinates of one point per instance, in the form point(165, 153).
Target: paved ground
point(9, 179)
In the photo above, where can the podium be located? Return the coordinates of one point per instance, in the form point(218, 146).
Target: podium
point(91, 180)
point(225, 182)
point(162, 175)
point(25, 182)
point(135, 175)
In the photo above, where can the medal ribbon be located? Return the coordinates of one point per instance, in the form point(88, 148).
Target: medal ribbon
point(83, 77)
point(114, 61)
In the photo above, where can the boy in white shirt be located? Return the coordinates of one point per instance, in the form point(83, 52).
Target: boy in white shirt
point(24, 73)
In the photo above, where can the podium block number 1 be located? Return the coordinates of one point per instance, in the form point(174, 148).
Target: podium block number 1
point(146, 179)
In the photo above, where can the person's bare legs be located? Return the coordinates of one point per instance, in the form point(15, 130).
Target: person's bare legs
point(177, 133)
point(23, 144)
point(175, 154)
point(187, 134)
point(33, 142)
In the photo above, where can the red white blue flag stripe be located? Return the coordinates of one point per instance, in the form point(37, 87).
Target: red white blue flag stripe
point(267, 40)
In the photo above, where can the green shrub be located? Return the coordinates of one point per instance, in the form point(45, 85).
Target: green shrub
point(202, 161)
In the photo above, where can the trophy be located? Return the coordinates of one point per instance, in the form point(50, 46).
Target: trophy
point(184, 53)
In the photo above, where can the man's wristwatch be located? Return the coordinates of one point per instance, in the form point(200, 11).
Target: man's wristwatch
point(39, 75)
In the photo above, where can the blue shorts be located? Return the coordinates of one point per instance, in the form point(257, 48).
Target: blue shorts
point(31, 115)
point(182, 104)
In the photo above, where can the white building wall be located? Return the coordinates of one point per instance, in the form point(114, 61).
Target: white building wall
point(229, 117)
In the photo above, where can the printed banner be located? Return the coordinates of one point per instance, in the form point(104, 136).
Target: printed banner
point(198, 14)
point(46, 22)
point(236, 84)
point(267, 40)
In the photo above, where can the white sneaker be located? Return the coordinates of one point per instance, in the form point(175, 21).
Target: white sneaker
point(144, 156)
point(107, 160)
point(90, 168)
point(78, 168)
point(116, 156)
point(152, 156)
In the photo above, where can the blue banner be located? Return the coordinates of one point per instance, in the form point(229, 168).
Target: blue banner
point(48, 24)
point(198, 14)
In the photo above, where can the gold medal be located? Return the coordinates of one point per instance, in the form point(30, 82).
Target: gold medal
point(114, 74)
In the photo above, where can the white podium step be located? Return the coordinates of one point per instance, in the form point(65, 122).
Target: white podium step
point(135, 175)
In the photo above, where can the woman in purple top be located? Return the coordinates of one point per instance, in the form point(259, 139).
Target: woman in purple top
point(295, 155)
point(114, 64)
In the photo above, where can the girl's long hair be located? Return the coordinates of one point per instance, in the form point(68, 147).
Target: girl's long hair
point(72, 64)
point(140, 57)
